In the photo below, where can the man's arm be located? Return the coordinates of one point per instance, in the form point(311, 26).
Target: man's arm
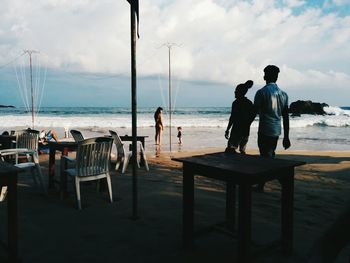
point(285, 116)
point(230, 122)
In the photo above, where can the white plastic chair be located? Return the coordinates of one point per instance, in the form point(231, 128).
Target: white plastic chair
point(124, 153)
point(27, 146)
point(91, 163)
point(77, 135)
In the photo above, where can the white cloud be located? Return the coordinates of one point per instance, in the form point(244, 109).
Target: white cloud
point(224, 41)
point(340, 2)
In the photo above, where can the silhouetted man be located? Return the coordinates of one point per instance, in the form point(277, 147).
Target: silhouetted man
point(271, 103)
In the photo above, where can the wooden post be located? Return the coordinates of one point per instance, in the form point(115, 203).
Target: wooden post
point(169, 47)
point(134, 111)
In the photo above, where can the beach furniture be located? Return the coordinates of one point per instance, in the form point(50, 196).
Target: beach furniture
point(91, 163)
point(244, 171)
point(77, 135)
point(7, 141)
point(124, 153)
point(26, 148)
point(62, 146)
point(8, 177)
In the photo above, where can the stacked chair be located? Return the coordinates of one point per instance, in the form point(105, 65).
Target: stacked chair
point(25, 156)
point(124, 154)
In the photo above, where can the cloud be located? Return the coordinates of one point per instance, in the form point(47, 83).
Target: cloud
point(222, 41)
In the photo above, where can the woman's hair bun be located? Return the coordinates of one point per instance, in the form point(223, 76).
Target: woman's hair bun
point(249, 84)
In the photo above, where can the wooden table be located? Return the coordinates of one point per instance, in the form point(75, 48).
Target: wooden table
point(243, 171)
point(138, 138)
point(64, 147)
point(7, 141)
point(67, 146)
point(8, 177)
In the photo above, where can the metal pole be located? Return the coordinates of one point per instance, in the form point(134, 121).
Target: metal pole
point(31, 86)
point(134, 112)
point(169, 48)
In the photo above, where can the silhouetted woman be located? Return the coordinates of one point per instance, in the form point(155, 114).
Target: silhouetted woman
point(158, 118)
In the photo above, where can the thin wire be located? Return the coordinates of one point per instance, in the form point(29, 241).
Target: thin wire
point(42, 90)
point(19, 88)
point(8, 63)
point(161, 92)
point(177, 92)
point(24, 87)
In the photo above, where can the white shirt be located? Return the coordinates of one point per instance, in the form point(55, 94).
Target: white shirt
point(270, 101)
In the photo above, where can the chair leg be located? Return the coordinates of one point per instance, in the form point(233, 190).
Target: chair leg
point(3, 193)
point(39, 173)
point(40, 177)
point(145, 160)
point(117, 165)
point(32, 171)
point(109, 184)
point(126, 162)
point(77, 191)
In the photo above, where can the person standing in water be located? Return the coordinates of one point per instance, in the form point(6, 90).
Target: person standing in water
point(158, 118)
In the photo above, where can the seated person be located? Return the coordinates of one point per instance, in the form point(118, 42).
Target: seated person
point(44, 138)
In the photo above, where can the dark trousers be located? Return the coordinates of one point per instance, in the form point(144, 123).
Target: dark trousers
point(267, 145)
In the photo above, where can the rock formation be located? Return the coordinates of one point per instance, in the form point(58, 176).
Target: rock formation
point(307, 107)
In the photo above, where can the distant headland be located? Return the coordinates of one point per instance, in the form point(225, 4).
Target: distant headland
point(7, 106)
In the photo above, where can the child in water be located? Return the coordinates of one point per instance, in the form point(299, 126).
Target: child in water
point(242, 115)
point(179, 134)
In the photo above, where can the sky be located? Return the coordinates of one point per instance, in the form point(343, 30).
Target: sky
point(84, 50)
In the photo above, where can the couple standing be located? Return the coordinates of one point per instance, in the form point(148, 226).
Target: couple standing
point(271, 103)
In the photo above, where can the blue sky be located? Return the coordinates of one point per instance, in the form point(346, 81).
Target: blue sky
point(85, 47)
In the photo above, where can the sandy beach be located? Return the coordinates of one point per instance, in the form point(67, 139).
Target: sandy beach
point(53, 230)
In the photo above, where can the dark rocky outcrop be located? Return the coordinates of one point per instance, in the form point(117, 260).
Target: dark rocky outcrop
point(7, 106)
point(307, 107)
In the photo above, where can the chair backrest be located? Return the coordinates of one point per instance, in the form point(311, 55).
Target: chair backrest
point(118, 143)
point(77, 136)
point(28, 139)
point(93, 156)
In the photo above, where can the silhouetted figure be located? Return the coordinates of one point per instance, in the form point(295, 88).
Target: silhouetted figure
point(179, 134)
point(158, 118)
point(271, 103)
point(242, 115)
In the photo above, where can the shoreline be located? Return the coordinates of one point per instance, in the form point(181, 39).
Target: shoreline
point(200, 138)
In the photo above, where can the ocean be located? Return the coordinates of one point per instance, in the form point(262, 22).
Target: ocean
point(202, 127)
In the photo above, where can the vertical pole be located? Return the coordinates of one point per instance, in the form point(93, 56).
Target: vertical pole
point(31, 86)
point(169, 48)
point(134, 112)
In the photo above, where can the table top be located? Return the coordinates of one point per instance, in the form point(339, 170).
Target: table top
point(239, 165)
point(63, 142)
point(61, 145)
point(123, 137)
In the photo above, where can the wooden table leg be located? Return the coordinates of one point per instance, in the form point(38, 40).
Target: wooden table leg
point(287, 203)
point(244, 222)
point(230, 206)
point(52, 167)
point(12, 219)
point(63, 175)
point(187, 207)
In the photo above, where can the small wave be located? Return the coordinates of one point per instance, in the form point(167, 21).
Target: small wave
point(338, 111)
